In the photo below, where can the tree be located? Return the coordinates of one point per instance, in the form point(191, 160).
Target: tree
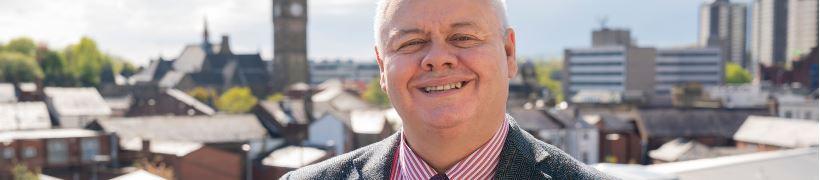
point(21, 172)
point(55, 68)
point(374, 94)
point(545, 72)
point(17, 67)
point(22, 45)
point(156, 167)
point(735, 74)
point(86, 61)
point(203, 95)
point(236, 100)
point(276, 97)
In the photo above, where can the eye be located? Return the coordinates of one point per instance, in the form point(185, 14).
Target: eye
point(411, 45)
point(463, 40)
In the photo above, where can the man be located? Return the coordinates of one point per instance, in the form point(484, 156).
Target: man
point(446, 66)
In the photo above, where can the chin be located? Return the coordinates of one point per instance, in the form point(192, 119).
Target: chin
point(445, 118)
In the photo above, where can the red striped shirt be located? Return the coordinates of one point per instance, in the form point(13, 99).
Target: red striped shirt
point(478, 165)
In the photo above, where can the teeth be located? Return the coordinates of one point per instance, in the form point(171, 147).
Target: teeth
point(456, 85)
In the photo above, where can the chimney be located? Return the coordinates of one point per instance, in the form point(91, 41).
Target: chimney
point(224, 47)
point(146, 146)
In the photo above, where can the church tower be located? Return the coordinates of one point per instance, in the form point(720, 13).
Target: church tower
point(290, 64)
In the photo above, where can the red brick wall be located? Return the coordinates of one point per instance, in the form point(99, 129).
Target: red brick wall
point(210, 163)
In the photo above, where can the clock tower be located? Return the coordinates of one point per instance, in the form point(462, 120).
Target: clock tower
point(290, 63)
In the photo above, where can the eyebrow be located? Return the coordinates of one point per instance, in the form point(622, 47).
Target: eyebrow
point(404, 32)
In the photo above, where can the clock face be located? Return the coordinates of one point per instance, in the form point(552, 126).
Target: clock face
point(296, 9)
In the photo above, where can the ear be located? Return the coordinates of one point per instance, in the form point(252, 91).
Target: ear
point(509, 49)
point(382, 74)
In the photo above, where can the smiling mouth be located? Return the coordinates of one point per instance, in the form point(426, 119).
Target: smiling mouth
point(444, 87)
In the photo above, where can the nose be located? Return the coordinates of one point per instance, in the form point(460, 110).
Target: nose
point(439, 58)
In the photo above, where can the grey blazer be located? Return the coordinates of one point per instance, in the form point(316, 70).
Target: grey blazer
point(523, 157)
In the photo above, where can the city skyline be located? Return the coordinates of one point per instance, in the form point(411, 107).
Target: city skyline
point(143, 30)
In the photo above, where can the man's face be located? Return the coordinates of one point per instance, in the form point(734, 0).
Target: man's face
point(445, 63)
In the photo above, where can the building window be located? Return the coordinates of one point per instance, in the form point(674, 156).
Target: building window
point(8, 153)
point(29, 152)
point(788, 114)
point(57, 151)
point(91, 148)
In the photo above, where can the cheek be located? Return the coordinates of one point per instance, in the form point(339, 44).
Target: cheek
point(399, 72)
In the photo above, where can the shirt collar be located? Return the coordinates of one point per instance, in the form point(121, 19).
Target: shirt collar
point(480, 164)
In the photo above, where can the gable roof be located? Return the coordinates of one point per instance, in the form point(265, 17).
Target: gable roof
point(674, 122)
point(191, 101)
point(782, 132)
point(24, 115)
point(76, 101)
point(294, 157)
point(202, 129)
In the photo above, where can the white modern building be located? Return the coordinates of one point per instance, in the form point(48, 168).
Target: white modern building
point(619, 69)
point(343, 70)
point(678, 66)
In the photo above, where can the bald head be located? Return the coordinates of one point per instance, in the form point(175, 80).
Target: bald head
point(385, 7)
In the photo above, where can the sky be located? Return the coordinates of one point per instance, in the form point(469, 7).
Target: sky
point(141, 30)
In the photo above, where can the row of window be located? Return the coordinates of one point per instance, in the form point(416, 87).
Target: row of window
point(689, 73)
point(57, 151)
point(687, 64)
point(598, 73)
point(613, 53)
point(688, 54)
point(596, 63)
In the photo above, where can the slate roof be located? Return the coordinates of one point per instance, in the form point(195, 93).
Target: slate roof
point(46, 134)
point(294, 157)
point(76, 101)
point(203, 129)
point(782, 132)
point(24, 115)
point(670, 122)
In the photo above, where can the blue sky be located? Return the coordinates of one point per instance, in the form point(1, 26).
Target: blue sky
point(140, 30)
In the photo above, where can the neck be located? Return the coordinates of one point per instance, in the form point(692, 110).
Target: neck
point(443, 148)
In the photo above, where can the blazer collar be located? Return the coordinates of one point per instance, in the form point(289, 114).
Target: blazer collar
point(378, 163)
point(520, 158)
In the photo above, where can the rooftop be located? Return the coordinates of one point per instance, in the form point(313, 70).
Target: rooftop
point(77, 101)
point(24, 115)
point(202, 129)
point(776, 131)
point(46, 134)
point(294, 157)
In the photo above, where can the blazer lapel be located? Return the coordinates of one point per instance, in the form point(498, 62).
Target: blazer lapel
point(519, 160)
point(378, 164)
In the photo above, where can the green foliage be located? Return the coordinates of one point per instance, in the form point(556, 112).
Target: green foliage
point(16, 67)
point(276, 97)
point(736, 74)
point(21, 172)
point(236, 100)
point(55, 69)
point(78, 64)
point(202, 94)
point(86, 61)
point(374, 94)
point(544, 71)
point(22, 45)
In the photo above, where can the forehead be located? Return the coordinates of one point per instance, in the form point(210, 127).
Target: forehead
point(433, 14)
